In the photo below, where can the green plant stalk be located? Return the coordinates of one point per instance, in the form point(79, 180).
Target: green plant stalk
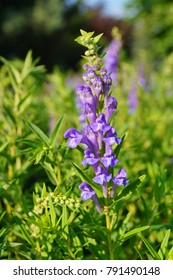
point(109, 228)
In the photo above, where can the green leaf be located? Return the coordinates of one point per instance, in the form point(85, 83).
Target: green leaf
point(24, 231)
point(80, 149)
point(86, 179)
point(103, 54)
point(4, 146)
point(83, 32)
point(154, 254)
point(139, 253)
point(129, 188)
point(170, 254)
point(29, 142)
point(163, 247)
point(97, 38)
point(1, 217)
point(77, 245)
point(50, 173)
point(12, 69)
point(25, 151)
point(4, 232)
point(134, 231)
point(37, 131)
point(54, 133)
point(52, 212)
point(39, 156)
point(118, 147)
point(9, 112)
point(65, 221)
point(27, 65)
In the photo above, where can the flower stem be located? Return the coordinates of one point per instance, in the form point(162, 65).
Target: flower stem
point(109, 232)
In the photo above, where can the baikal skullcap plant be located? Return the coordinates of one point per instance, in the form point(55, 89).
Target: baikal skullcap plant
point(97, 136)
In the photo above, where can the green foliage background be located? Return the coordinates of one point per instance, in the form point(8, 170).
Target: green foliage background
point(41, 214)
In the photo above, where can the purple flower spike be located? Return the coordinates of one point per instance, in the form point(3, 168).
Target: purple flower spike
point(89, 193)
point(119, 180)
point(96, 106)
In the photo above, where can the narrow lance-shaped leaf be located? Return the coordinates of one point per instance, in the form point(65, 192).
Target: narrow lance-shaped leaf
point(24, 231)
point(50, 173)
point(27, 65)
point(86, 179)
point(39, 133)
point(97, 38)
point(132, 232)
point(154, 254)
point(52, 212)
point(164, 245)
point(54, 133)
point(65, 221)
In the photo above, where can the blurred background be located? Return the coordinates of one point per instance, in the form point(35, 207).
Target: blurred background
point(50, 27)
point(141, 59)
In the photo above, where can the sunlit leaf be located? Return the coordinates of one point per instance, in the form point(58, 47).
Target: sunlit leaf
point(54, 133)
point(39, 132)
point(150, 248)
point(163, 247)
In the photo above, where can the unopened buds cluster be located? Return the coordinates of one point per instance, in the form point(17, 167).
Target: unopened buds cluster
point(98, 137)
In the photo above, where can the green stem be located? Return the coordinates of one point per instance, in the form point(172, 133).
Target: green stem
point(109, 228)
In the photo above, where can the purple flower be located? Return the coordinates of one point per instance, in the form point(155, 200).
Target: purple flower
point(90, 157)
point(102, 176)
point(110, 107)
point(75, 138)
point(89, 76)
point(107, 82)
point(111, 137)
point(89, 193)
point(108, 160)
point(100, 124)
point(89, 112)
point(97, 86)
point(103, 71)
point(85, 94)
point(91, 135)
point(119, 180)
